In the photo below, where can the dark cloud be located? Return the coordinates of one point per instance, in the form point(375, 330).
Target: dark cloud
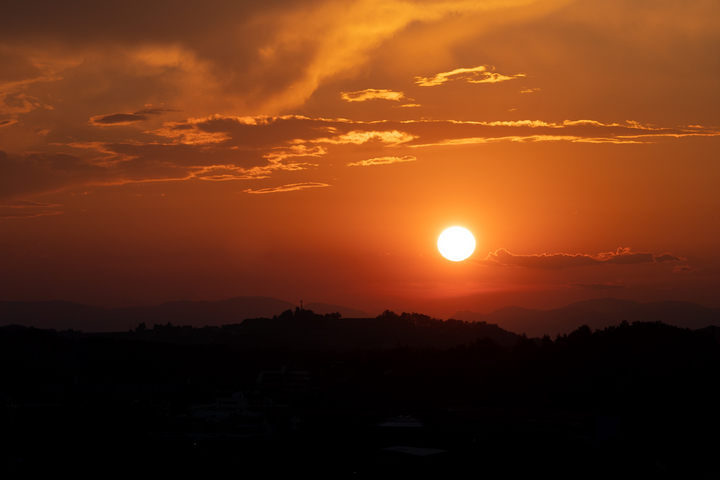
point(556, 261)
point(559, 261)
point(126, 118)
point(118, 119)
point(666, 257)
point(99, 163)
point(154, 111)
point(596, 286)
point(625, 257)
point(684, 269)
point(129, 20)
point(43, 172)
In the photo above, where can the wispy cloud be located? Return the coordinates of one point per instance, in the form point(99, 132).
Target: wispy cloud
point(221, 147)
point(559, 261)
point(382, 161)
point(287, 188)
point(44, 213)
point(28, 209)
point(29, 204)
point(576, 131)
point(481, 74)
point(18, 102)
point(372, 94)
point(357, 137)
point(597, 286)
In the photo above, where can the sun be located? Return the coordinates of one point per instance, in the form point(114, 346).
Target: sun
point(456, 244)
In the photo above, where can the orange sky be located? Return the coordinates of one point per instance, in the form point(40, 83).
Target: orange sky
point(315, 150)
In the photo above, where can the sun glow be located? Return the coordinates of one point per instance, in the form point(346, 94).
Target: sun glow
point(456, 244)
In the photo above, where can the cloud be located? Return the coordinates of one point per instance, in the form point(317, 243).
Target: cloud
point(287, 188)
point(624, 256)
point(559, 261)
point(682, 269)
point(597, 286)
point(8, 216)
point(188, 134)
point(15, 68)
point(29, 204)
point(17, 73)
point(259, 57)
point(222, 147)
point(479, 74)
point(357, 137)
point(450, 133)
point(666, 257)
point(27, 209)
point(17, 102)
point(7, 123)
point(554, 261)
point(36, 172)
point(117, 119)
point(529, 90)
point(127, 118)
point(382, 161)
point(372, 94)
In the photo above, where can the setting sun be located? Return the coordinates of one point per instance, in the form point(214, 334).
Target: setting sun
point(456, 244)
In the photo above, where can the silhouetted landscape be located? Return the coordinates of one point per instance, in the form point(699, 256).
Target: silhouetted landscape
point(597, 314)
point(398, 394)
point(363, 239)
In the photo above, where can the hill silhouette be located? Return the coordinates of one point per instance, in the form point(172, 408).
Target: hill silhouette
point(306, 329)
point(323, 308)
point(597, 314)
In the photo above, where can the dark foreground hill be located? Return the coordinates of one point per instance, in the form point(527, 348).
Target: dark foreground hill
point(631, 401)
point(323, 308)
point(597, 314)
point(306, 330)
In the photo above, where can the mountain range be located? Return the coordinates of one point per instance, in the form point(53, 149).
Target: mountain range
point(61, 315)
point(597, 314)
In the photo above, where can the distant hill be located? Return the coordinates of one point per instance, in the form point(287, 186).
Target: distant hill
point(66, 315)
point(323, 308)
point(199, 314)
point(54, 314)
point(597, 314)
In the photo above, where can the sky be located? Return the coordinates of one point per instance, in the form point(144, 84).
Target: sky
point(315, 150)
